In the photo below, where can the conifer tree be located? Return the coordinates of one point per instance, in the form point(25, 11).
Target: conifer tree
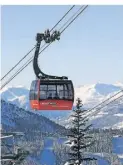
point(79, 138)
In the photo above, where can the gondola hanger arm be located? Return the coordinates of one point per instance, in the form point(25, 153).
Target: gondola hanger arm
point(48, 38)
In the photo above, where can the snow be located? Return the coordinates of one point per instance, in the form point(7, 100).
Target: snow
point(76, 162)
point(91, 95)
point(112, 119)
point(118, 114)
point(70, 143)
point(15, 117)
point(120, 156)
point(67, 163)
point(119, 84)
point(119, 125)
point(3, 137)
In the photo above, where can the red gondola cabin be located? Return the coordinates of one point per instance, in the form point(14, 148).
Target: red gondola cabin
point(51, 94)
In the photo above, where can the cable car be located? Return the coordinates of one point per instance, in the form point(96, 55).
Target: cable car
point(51, 95)
point(49, 92)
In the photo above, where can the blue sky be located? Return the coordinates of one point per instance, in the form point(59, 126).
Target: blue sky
point(90, 50)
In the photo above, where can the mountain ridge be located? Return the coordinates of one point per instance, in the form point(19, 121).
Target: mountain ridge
point(17, 119)
point(91, 95)
point(85, 92)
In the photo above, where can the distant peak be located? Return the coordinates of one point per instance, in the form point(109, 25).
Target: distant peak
point(120, 84)
point(13, 87)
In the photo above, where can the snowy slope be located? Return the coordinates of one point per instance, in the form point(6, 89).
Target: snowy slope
point(17, 119)
point(109, 117)
point(91, 95)
point(36, 129)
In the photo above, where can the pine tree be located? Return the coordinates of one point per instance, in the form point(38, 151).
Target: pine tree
point(79, 139)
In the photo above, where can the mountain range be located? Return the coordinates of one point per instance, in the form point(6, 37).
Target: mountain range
point(17, 119)
point(91, 95)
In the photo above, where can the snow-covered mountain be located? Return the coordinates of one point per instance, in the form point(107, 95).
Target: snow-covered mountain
point(108, 117)
point(18, 95)
point(17, 119)
point(37, 129)
point(91, 95)
point(95, 93)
